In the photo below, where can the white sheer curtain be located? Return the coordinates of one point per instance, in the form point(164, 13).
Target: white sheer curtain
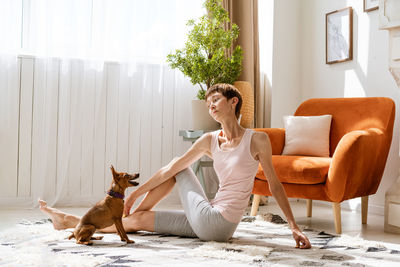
point(84, 84)
point(120, 30)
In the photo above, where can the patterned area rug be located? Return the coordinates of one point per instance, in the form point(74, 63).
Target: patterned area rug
point(259, 241)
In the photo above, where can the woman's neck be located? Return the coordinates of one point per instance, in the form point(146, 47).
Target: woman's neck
point(231, 129)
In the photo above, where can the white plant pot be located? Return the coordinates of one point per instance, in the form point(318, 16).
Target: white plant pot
point(201, 118)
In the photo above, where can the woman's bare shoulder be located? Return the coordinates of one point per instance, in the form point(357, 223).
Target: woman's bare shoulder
point(259, 143)
point(259, 137)
point(204, 141)
point(207, 136)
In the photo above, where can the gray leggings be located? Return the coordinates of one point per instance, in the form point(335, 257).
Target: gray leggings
point(199, 218)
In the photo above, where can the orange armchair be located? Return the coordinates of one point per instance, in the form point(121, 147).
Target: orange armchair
point(360, 138)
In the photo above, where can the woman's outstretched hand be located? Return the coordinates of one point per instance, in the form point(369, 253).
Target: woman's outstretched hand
point(300, 238)
point(128, 205)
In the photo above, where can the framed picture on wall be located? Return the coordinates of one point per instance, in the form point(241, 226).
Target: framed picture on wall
point(339, 35)
point(370, 5)
point(389, 11)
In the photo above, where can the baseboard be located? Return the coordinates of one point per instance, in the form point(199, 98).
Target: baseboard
point(29, 202)
point(345, 205)
point(13, 202)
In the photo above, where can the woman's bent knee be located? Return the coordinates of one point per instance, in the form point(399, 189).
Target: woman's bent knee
point(185, 174)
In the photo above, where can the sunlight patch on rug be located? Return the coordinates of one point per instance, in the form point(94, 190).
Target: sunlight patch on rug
point(23, 245)
point(356, 242)
point(234, 252)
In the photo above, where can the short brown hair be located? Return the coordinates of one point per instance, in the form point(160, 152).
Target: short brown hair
point(229, 91)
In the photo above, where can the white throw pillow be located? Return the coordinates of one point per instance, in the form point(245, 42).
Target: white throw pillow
point(307, 135)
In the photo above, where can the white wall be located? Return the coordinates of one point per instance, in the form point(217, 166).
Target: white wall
point(286, 74)
point(300, 28)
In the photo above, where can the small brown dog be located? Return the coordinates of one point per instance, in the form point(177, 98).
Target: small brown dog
point(106, 212)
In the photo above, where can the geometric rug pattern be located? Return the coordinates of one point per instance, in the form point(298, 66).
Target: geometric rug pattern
point(258, 241)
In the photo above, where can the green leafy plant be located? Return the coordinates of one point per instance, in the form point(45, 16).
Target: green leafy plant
point(206, 58)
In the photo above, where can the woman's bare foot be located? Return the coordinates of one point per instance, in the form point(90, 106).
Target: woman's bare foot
point(60, 219)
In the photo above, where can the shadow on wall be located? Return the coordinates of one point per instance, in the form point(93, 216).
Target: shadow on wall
point(367, 75)
point(374, 79)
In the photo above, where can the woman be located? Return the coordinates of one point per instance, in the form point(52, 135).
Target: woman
point(236, 153)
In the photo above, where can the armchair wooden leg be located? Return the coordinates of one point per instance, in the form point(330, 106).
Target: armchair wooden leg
point(364, 209)
point(337, 216)
point(255, 204)
point(309, 207)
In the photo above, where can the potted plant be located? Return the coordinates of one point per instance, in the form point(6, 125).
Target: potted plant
point(207, 57)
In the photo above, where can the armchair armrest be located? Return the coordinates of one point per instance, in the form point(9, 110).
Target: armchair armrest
point(357, 165)
point(277, 138)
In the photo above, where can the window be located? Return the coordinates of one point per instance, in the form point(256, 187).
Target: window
point(118, 30)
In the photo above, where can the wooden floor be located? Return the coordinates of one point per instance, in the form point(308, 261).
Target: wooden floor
point(322, 220)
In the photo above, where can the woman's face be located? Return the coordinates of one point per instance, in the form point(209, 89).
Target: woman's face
point(219, 106)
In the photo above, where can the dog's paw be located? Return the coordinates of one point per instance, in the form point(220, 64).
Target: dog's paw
point(87, 243)
point(130, 241)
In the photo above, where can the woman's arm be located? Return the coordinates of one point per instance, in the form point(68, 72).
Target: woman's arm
point(261, 147)
point(195, 152)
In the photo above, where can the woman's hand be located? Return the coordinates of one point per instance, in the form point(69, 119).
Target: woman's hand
point(300, 238)
point(128, 204)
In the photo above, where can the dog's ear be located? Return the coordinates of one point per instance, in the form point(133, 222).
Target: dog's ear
point(114, 173)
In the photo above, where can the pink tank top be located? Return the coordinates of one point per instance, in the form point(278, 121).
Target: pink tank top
point(236, 170)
